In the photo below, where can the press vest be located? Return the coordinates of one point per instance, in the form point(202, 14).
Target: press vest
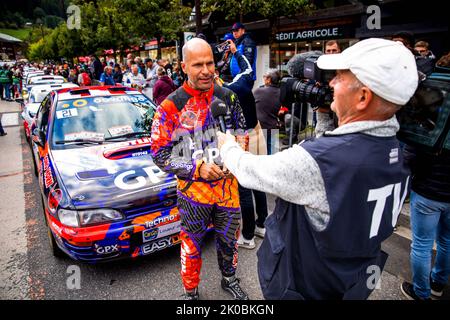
point(366, 183)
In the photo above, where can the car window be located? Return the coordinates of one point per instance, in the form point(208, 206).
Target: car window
point(100, 118)
point(42, 116)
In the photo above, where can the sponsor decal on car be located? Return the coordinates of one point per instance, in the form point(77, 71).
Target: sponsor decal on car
point(165, 230)
point(156, 245)
point(48, 176)
point(106, 249)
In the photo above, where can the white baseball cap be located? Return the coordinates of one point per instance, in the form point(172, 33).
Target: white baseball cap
point(386, 67)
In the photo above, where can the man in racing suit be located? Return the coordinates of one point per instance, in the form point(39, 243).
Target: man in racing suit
point(184, 143)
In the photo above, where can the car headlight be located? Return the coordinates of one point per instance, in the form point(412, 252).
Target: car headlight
point(88, 217)
point(74, 218)
point(68, 217)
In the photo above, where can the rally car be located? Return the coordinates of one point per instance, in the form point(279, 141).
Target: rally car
point(37, 94)
point(103, 196)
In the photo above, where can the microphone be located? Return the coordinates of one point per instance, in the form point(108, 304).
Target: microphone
point(219, 111)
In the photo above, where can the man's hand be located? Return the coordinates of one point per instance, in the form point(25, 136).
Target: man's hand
point(224, 138)
point(211, 171)
point(232, 46)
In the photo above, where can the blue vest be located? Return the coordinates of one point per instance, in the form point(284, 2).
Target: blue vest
point(366, 183)
point(234, 65)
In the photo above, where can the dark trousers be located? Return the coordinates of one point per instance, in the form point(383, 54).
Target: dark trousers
point(1, 127)
point(1, 91)
point(248, 210)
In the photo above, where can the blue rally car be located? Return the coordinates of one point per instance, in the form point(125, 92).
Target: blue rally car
point(103, 196)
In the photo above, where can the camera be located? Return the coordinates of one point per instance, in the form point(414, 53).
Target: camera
point(425, 119)
point(222, 47)
point(307, 82)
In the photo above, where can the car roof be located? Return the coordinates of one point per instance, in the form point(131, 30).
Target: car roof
point(94, 91)
point(46, 77)
point(53, 86)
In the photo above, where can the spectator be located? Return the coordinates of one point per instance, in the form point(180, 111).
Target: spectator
point(167, 66)
point(423, 48)
point(8, 83)
point(84, 79)
point(151, 77)
point(140, 64)
point(134, 79)
point(242, 85)
point(332, 47)
point(96, 67)
point(430, 220)
point(73, 77)
point(323, 239)
point(267, 99)
point(176, 76)
point(424, 65)
point(117, 74)
point(107, 78)
point(163, 86)
point(246, 46)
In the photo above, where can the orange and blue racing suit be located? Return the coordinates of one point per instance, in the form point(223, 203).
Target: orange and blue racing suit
point(183, 137)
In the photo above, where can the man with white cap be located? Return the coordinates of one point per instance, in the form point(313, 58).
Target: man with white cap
point(340, 194)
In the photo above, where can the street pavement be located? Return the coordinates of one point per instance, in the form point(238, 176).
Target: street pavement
point(29, 271)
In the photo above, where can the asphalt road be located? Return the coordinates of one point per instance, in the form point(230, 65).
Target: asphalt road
point(29, 271)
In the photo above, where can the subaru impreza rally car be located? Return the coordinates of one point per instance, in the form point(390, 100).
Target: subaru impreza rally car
point(103, 196)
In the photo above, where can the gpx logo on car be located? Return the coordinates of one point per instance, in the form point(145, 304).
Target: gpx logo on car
point(103, 197)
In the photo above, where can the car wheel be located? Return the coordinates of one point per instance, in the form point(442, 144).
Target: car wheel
point(56, 251)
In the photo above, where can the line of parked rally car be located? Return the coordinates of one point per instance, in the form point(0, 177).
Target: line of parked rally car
point(102, 195)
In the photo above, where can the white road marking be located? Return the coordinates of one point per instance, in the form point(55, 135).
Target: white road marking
point(10, 119)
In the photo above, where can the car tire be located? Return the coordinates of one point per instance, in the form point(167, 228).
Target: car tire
point(56, 251)
point(34, 164)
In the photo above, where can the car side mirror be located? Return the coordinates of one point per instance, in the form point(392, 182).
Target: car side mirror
point(38, 137)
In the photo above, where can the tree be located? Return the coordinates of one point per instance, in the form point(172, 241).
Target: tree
point(271, 10)
point(158, 19)
point(39, 13)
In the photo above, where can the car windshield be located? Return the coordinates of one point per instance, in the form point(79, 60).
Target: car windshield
point(100, 119)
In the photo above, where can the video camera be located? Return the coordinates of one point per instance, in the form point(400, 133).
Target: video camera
point(307, 83)
point(424, 120)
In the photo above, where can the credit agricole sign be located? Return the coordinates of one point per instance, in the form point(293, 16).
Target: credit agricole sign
point(310, 34)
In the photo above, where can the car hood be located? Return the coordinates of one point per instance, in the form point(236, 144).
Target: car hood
point(116, 175)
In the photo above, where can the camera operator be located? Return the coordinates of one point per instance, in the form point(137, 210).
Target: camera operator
point(339, 194)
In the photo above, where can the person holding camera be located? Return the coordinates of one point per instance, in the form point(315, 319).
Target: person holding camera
point(246, 46)
point(242, 85)
point(340, 194)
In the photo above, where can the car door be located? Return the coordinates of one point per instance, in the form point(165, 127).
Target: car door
point(41, 123)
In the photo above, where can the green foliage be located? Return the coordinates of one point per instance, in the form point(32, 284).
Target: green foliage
point(39, 13)
point(235, 9)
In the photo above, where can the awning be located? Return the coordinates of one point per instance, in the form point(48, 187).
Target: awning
point(7, 38)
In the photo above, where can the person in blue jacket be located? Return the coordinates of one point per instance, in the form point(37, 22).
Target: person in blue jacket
point(246, 46)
